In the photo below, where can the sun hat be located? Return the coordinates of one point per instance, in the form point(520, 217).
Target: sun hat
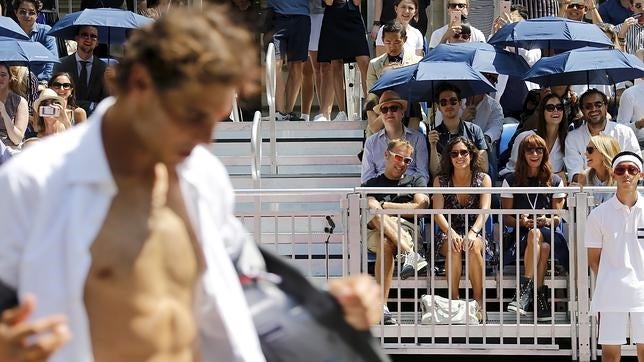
point(46, 94)
point(389, 97)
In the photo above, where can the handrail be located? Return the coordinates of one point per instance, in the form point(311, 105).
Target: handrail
point(271, 82)
point(256, 149)
point(235, 113)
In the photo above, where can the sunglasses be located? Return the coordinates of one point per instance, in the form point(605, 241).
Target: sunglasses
point(61, 85)
point(401, 158)
point(577, 6)
point(25, 12)
point(621, 170)
point(462, 36)
point(590, 150)
point(462, 153)
point(392, 108)
point(552, 107)
point(457, 6)
point(452, 101)
point(537, 150)
point(591, 106)
point(638, 5)
point(88, 36)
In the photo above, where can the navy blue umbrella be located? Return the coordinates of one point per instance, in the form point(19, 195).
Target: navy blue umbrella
point(15, 51)
point(9, 28)
point(112, 24)
point(550, 33)
point(586, 66)
point(482, 57)
point(418, 82)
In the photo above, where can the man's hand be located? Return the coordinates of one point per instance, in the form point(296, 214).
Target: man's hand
point(433, 137)
point(630, 21)
point(360, 298)
point(30, 341)
point(590, 5)
point(639, 124)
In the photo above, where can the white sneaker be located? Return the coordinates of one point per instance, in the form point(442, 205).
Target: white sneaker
point(341, 116)
point(305, 117)
point(279, 116)
point(320, 118)
point(413, 264)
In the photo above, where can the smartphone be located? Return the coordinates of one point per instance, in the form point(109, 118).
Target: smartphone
point(49, 111)
point(504, 7)
point(637, 16)
point(455, 18)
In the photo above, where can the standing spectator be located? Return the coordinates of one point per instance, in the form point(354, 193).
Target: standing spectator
point(577, 10)
point(443, 34)
point(342, 20)
point(405, 12)
point(384, 12)
point(26, 12)
point(533, 170)
point(615, 11)
point(593, 105)
point(631, 111)
point(460, 168)
point(539, 8)
point(397, 158)
point(311, 69)
point(600, 153)
point(614, 233)
point(63, 85)
point(631, 32)
point(14, 115)
point(87, 70)
point(291, 32)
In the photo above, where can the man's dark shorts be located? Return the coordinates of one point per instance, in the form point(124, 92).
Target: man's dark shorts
point(291, 37)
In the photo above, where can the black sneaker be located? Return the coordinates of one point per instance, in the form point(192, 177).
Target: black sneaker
point(521, 302)
point(543, 307)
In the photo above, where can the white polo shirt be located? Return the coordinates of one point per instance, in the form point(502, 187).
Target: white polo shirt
point(619, 232)
point(631, 109)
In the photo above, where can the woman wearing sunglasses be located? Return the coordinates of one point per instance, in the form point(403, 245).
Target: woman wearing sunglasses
point(551, 127)
point(461, 233)
point(535, 233)
point(599, 153)
point(63, 85)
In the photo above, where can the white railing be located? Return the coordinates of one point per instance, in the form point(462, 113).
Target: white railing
point(271, 83)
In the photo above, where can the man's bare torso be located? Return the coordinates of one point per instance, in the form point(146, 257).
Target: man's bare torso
point(145, 263)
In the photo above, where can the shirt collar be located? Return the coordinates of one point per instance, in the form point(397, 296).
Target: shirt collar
point(78, 59)
point(619, 206)
point(382, 134)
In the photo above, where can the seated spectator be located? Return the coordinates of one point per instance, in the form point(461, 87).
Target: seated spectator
point(449, 104)
point(463, 36)
point(578, 9)
point(630, 33)
point(615, 11)
point(24, 83)
point(398, 232)
point(631, 111)
point(14, 115)
point(406, 10)
point(393, 108)
point(63, 85)
point(26, 12)
point(593, 106)
point(443, 34)
point(599, 154)
point(534, 234)
point(462, 233)
point(49, 114)
point(552, 128)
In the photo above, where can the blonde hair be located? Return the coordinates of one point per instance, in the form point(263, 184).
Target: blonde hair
point(399, 142)
point(19, 82)
point(608, 147)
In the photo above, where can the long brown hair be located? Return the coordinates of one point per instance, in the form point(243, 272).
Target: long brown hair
point(447, 168)
point(544, 174)
point(562, 132)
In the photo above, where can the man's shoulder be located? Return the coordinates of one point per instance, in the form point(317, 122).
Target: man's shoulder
point(379, 59)
point(66, 61)
point(374, 181)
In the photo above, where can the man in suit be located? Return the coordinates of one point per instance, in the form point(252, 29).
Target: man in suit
point(87, 71)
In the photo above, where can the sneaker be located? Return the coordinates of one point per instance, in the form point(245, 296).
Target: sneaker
point(281, 117)
point(543, 307)
point(320, 118)
point(305, 117)
point(387, 318)
point(521, 301)
point(413, 263)
point(341, 116)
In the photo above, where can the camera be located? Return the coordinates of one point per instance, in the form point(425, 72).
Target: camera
point(49, 111)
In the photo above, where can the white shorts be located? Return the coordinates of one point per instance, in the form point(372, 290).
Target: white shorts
point(316, 27)
point(614, 327)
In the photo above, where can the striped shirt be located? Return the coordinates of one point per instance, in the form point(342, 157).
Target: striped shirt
point(539, 8)
point(634, 38)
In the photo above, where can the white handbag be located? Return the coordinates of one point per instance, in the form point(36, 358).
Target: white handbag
point(437, 310)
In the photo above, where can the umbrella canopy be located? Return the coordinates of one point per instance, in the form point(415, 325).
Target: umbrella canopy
point(550, 33)
point(586, 66)
point(15, 51)
point(482, 57)
point(112, 24)
point(419, 82)
point(9, 28)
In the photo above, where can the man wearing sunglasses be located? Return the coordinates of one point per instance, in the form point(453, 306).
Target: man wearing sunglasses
point(447, 32)
point(593, 107)
point(577, 10)
point(26, 12)
point(88, 71)
point(615, 242)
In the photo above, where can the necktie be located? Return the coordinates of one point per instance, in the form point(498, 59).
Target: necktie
point(395, 59)
point(82, 80)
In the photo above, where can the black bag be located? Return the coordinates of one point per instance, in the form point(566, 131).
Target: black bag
point(296, 321)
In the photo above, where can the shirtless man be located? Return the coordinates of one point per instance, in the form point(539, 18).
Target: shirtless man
point(124, 224)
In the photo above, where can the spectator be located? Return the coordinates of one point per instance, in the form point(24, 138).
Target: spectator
point(463, 37)
point(311, 69)
point(534, 234)
point(577, 9)
point(574, 116)
point(631, 111)
point(398, 232)
point(86, 69)
point(406, 10)
point(630, 33)
point(26, 12)
point(593, 105)
point(615, 11)
point(615, 254)
point(24, 83)
point(552, 128)
point(449, 104)
point(392, 108)
point(599, 153)
point(14, 115)
point(63, 85)
point(462, 233)
point(57, 122)
point(384, 12)
point(443, 34)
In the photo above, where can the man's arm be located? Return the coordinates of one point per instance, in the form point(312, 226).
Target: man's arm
point(573, 158)
point(50, 43)
point(420, 201)
point(594, 255)
point(591, 8)
point(594, 239)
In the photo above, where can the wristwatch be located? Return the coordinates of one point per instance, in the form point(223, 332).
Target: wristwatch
point(377, 23)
